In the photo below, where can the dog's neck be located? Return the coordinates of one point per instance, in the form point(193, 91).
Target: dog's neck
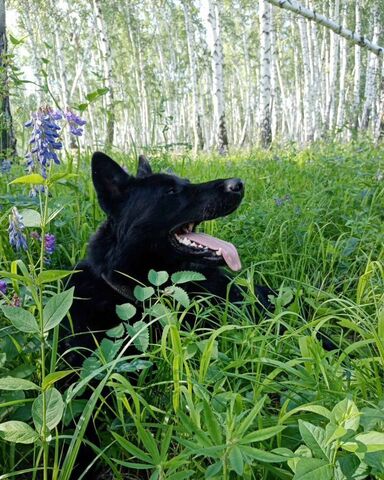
point(122, 289)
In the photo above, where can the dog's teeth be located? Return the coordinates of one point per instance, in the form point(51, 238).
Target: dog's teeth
point(218, 252)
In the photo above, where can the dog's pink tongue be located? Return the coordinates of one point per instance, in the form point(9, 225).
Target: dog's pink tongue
point(228, 251)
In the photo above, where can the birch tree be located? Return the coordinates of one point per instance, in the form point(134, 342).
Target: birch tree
point(357, 70)
point(106, 61)
point(7, 138)
point(217, 60)
point(265, 13)
point(198, 143)
point(370, 77)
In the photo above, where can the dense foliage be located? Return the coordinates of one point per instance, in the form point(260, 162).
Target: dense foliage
point(299, 393)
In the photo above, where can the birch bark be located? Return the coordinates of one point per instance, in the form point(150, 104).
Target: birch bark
point(7, 137)
point(198, 143)
point(307, 97)
point(214, 41)
point(265, 13)
point(370, 78)
point(106, 62)
point(357, 70)
point(343, 71)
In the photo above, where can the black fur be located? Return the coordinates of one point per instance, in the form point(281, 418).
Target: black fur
point(142, 214)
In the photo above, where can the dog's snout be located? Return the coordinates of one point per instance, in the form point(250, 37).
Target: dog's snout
point(234, 185)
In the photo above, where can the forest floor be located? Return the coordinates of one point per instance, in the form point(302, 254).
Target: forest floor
point(238, 400)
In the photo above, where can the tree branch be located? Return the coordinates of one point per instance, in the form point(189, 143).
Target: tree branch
point(296, 7)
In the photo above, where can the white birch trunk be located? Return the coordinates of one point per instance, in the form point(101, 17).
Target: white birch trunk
point(370, 78)
point(214, 41)
point(198, 143)
point(357, 70)
point(343, 71)
point(265, 13)
point(333, 68)
point(307, 97)
point(106, 62)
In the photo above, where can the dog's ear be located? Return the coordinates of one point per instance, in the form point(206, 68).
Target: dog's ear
point(144, 168)
point(109, 179)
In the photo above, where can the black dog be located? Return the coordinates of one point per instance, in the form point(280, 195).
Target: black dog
point(151, 221)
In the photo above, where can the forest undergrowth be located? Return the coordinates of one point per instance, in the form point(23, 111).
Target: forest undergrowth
point(298, 394)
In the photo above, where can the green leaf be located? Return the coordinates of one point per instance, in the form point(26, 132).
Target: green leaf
point(261, 435)
point(313, 468)
point(48, 276)
point(54, 408)
point(54, 377)
point(187, 276)
point(34, 178)
point(365, 442)
point(261, 455)
point(142, 340)
point(302, 451)
point(348, 465)
point(31, 218)
point(157, 278)
point(132, 449)
point(143, 293)
point(11, 383)
point(82, 107)
point(116, 332)
point(91, 97)
point(248, 420)
point(315, 439)
point(160, 311)
point(125, 311)
point(346, 414)
point(56, 308)
point(14, 40)
point(236, 460)
point(18, 432)
point(61, 176)
point(21, 319)
point(214, 469)
point(108, 349)
point(212, 424)
point(179, 295)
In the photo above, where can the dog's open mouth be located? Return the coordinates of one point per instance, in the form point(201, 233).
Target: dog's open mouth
point(205, 246)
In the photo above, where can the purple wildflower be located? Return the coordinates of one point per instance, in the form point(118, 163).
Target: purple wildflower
point(16, 236)
point(75, 123)
point(5, 166)
point(50, 243)
point(35, 235)
point(44, 141)
point(3, 287)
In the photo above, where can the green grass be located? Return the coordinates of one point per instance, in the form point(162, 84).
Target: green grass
point(217, 401)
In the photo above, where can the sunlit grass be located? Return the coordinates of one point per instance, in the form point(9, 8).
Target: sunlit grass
point(311, 227)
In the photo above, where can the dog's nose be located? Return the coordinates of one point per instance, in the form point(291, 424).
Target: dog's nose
point(234, 185)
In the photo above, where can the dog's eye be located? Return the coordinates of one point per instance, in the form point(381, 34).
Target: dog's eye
point(171, 191)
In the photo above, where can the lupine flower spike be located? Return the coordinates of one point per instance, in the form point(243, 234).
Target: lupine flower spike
point(50, 243)
point(16, 236)
point(3, 287)
point(75, 123)
point(44, 141)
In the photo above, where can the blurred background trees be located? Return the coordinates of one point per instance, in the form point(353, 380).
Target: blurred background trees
point(199, 73)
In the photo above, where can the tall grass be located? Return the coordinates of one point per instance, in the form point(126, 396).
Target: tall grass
point(226, 397)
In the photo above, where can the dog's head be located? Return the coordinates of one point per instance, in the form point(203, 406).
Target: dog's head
point(155, 214)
